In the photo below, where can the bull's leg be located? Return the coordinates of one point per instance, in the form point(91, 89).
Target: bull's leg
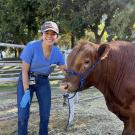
point(128, 132)
point(126, 123)
point(129, 127)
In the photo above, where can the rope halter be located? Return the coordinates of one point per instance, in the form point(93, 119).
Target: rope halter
point(82, 76)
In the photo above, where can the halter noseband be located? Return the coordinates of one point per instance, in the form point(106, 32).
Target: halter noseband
point(83, 75)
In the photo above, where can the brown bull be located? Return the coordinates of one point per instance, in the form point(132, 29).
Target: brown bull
point(110, 68)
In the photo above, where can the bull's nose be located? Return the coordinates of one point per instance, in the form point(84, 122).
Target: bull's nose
point(64, 86)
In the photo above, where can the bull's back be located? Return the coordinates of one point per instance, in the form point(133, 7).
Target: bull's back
point(122, 52)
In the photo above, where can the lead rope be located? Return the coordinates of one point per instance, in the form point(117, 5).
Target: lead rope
point(69, 108)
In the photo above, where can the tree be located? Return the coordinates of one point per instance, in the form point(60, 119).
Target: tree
point(71, 19)
point(77, 16)
point(18, 22)
point(96, 12)
point(121, 27)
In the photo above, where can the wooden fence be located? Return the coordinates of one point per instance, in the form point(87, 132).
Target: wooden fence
point(9, 70)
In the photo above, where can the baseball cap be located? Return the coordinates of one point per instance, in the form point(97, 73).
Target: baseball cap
point(49, 25)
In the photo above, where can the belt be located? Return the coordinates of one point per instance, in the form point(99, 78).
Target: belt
point(38, 74)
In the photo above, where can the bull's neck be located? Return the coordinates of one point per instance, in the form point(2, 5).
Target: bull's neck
point(102, 76)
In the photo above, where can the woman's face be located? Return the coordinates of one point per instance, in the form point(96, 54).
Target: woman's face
point(49, 37)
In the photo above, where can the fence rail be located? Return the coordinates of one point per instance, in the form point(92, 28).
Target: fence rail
point(11, 45)
point(16, 64)
point(12, 69)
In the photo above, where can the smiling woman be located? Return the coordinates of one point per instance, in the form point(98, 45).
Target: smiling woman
point(49, 38)
point(37, 58)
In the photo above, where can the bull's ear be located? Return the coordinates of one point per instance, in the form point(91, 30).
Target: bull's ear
point(103, 51)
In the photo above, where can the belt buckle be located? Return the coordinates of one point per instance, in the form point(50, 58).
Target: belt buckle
point(32, 80)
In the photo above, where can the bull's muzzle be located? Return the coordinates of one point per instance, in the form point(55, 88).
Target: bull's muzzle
point(64, 87)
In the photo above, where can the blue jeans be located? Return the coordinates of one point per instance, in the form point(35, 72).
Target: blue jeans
point(43, 94)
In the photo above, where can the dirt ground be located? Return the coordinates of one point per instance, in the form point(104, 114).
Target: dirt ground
point(91, 118)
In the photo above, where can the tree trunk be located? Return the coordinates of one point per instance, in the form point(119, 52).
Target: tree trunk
point(17, 52)
point(72, 40)
point(97, 39)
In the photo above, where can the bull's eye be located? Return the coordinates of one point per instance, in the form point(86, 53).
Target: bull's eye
point(87, 62)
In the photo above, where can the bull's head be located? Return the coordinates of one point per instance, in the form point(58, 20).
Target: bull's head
point(82, 64)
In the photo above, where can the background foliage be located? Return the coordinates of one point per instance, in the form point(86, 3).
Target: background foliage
point(95, 20)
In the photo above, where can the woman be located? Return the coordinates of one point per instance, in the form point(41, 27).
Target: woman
point(37, 58)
